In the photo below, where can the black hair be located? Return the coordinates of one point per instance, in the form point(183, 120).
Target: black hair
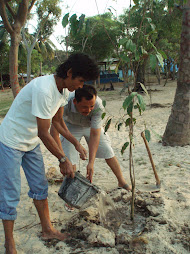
point(81, 65)
point(87, 92)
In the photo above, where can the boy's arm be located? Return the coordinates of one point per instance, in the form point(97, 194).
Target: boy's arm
point(43, 133)
point(93, 147)
point(61, 128)
point(55, 134)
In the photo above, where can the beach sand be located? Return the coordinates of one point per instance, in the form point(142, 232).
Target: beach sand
point(167, 227)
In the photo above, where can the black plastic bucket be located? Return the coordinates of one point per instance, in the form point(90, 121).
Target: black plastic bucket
point(77, 191)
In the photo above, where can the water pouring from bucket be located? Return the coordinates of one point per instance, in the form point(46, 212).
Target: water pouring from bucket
point(78, 190)
point(109, 215)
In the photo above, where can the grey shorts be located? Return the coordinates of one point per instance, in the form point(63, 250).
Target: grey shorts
point(104, 151)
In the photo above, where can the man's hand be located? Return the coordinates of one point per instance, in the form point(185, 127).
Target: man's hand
point(66, 168)
point(82, 151)
point(90, 171)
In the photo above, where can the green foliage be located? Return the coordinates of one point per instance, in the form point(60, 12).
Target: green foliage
point(147, 135)
point(128, 100)
point(104, 103)
point(4, 57)
point(103, 115)
point(141, 104)
point(36, 58)
point(124, 147)
point(119, 126)
point(127, 122)
point(107, 125)
point(130, 103)
point(153, 61)
point(5, 103)
point(153, 33)
point(50, 12)
point(49, 66)
point(96, 36)
point(65, 20)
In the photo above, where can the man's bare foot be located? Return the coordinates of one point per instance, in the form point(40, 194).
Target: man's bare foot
point(55, 234)
point(10, 248)
point(125, 186)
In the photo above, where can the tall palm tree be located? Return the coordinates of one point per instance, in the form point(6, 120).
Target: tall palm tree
point(177, 131)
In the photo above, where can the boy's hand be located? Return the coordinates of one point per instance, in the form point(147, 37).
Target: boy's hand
point(90, 171)
point(82, 151)
point(66, 168)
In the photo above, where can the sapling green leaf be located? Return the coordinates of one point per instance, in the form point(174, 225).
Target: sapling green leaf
point(124, 147)
point(130, 108)
point(139, 108)
point(119, 126)
point(104, 103)
point(103, 115)
point(127, 122)
point(107, 125)
point(147, 135)
point(128, 100)
point(141, 102)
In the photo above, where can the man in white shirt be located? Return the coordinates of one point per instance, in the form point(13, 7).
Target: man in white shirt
point(28, 120)
point(83, 117)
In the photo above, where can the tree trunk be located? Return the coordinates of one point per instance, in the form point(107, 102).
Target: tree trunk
point(177, 131)
point(158, 73)
point(140, 77)
point(29, 55)
point(40, 68)
point(13, 63)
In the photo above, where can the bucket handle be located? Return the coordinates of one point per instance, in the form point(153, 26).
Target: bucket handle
point(87, 183)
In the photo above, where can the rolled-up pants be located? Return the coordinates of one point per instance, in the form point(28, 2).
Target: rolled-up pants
point(10, 180)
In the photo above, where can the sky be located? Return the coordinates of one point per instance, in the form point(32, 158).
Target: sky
point(89, 8)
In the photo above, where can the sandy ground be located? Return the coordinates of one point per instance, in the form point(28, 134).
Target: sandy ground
point(173, 167)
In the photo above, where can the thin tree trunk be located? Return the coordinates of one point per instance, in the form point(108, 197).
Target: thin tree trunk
point(177, 131)
point(29, 54)
point(13, 64)
point(40, 68)
point(2, 81)
point(158, 73)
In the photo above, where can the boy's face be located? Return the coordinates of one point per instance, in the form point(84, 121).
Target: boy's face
point(84, 107)
point(73, 83)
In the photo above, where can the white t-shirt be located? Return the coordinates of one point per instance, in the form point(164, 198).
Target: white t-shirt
point(40, 98)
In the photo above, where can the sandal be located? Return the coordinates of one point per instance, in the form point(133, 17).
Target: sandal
point(69, 208)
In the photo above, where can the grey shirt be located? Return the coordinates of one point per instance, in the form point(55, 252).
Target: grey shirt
point(93, 120)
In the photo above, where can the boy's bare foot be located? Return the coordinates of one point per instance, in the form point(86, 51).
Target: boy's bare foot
point(55, 234)
point(10, 248)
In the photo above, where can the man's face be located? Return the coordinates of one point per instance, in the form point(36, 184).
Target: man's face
point(84, 107)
